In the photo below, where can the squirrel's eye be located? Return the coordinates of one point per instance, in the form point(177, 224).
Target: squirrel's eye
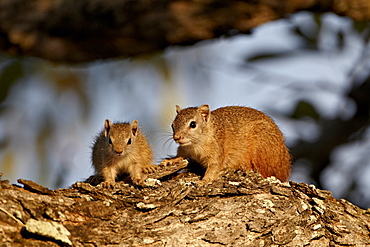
point(129, 141)
point(110, 141)
point(193, 124)
point(172, 126)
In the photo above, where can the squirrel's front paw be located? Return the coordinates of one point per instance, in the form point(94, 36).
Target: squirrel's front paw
point(139, 182)
point(170, 162)
point(108, 184)
point(150, 168)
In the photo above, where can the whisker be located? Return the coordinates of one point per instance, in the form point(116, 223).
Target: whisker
point(168, 143)
point(163, 143)
point(165, 136)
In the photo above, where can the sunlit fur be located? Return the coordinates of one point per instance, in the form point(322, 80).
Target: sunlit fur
point(111, 160)
point(231, 137)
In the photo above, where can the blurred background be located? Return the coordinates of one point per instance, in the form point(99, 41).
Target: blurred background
point(310, 73)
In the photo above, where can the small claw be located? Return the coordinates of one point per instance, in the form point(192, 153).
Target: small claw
point(170, 162)
point(201, 183)
point(164, 162)
point(150, 168)
point(108, 185)
point(139, 182)
point(94, 180)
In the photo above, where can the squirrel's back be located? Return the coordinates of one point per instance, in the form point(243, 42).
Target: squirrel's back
point(253, 140)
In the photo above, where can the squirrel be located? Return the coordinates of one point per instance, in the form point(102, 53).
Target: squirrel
point(121, 148)
point(235, 137)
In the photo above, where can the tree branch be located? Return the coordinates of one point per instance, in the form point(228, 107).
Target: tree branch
point(237, 210)
point(86, 30)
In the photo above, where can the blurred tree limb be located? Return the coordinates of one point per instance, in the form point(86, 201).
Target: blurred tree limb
point(336, 132)
point(86, 30)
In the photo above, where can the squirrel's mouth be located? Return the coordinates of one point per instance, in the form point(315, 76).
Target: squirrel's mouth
point(184, 143)
point(119, 153)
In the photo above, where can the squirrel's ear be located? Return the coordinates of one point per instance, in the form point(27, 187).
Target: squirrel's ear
point(178, 109)
point(204, 112)
point(107, 126)
point(134, 126)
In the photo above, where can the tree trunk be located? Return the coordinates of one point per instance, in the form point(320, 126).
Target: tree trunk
point(237, 210)
point(86, 30)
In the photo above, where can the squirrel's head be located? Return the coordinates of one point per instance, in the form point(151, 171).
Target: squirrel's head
point(120, 136)
point(191, 125)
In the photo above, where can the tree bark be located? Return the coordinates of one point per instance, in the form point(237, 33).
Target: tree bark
point(237, 210)
point(86, 30)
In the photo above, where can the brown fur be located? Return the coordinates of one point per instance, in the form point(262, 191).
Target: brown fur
point(118, 156)
point(231, 137)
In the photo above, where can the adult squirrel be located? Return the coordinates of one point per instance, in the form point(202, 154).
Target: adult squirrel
point(233, 137)
point(121, 148)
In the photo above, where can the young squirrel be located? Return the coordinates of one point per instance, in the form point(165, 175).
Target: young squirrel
point(121, 148)
point(230, 137)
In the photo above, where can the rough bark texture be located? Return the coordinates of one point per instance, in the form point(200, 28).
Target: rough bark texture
point(238, 210)
point(86, 30)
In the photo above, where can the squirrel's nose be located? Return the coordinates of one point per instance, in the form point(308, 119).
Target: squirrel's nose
point(176, 137)
point(119, 152)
